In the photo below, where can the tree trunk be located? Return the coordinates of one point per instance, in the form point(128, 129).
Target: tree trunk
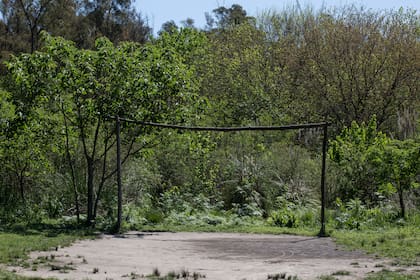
point(32, 40)
point(90, 174)
point(401, 199)
point(73, 177)
point(22, 186)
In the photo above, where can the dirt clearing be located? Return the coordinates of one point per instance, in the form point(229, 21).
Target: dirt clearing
point(213, 255)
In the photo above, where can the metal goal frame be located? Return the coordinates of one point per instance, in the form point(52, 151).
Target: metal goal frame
point(323, 125)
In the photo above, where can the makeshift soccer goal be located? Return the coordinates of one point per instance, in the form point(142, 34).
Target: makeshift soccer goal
point(323, 125)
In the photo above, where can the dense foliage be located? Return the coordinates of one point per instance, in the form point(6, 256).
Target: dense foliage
point(355, 68)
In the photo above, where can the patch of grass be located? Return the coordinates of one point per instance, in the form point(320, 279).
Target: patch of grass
point(326, 277)
point(156, 272)
point(16, 241)
point(389, 275)
point(341, 273)
point(5, 275)
point(61, 268)
point(133, 276)
point(280, 276)
point(184, 274)
point(402, 243)
point(17, 246)
point(276, 276)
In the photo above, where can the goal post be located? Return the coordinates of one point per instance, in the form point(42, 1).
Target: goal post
point(323, 125)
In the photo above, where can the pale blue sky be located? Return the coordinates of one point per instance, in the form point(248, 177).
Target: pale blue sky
point(160, 11)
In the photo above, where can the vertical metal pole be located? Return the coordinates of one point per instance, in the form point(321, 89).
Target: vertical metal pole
point(119, 217)
point(322, 232)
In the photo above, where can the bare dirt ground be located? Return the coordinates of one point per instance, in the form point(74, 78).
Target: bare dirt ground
point(217, 256)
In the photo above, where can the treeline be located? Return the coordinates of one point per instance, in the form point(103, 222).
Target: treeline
point(356, 68)
point(81, 21)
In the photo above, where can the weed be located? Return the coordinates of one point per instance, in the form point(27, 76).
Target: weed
point(341, 273)
point(61, 269)
point(197, 275)
point(184, 273)
point(327, 277)
point(156, 272)
point(173, 275)
point(133, 276)
point(279, 276)
point(276, 276)
point(41, 259)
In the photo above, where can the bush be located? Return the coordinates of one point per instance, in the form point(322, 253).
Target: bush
point(355, 215)
point(284, 218)
point(294, 214)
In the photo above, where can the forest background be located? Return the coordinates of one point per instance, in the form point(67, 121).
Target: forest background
point(68, 66)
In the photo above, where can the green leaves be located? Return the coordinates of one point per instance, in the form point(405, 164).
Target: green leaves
point(76, 90)
point(373, 164)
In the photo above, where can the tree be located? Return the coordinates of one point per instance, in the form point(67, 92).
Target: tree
point(114, 19)
point(34, 12)
point(243, 78)
point(25, 149)
point(351, 152)
point(399, 164)
point(227, 17)
point(188, 23)
point(24, 20)
point(169, 26)
point(372, 164)
point(359, 63)
point(149, 83)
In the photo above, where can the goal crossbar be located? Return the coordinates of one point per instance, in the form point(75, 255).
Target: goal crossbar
point(226, 129)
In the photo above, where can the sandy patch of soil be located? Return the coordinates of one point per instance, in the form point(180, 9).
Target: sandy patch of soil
point(217, 256)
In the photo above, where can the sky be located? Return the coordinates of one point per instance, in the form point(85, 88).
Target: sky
point(159, 11)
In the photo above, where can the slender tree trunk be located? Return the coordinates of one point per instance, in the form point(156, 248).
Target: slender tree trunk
point(32, 41)
point(90, 163)
point(22, 185)
point(401, 199)
point(90, 174)
point(21, 181)
point(103, 178)
point(73, 177)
